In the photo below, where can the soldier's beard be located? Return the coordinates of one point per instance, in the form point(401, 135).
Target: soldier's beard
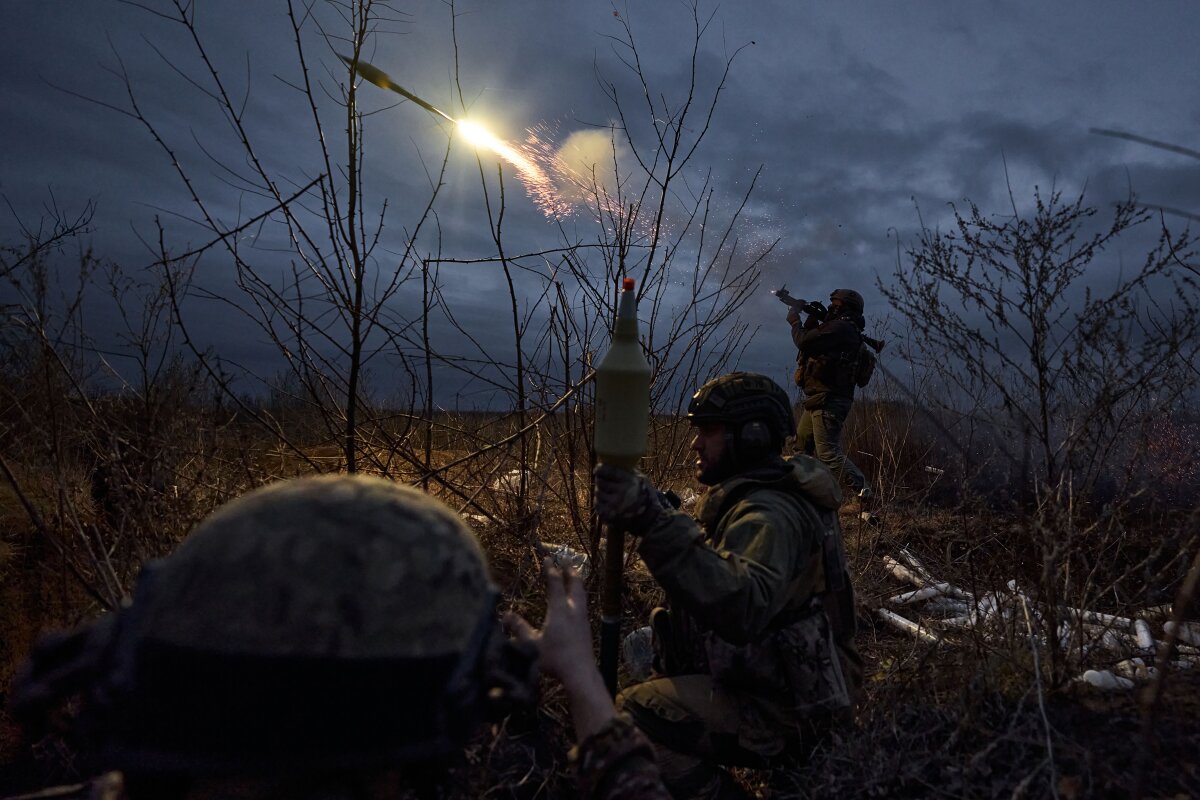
point(716, 471)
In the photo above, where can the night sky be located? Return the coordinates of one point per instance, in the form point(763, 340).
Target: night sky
point(858, 113)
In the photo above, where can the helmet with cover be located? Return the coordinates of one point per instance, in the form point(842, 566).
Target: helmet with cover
point(849, 298)
point(756, 412)
point(318, 624)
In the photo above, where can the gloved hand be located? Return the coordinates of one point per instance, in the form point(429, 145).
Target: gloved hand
point(626, 499)
point(793, 315)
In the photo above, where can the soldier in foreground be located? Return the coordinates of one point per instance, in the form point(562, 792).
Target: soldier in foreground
point(830, 346)
point(331, 637)
point(756, 658)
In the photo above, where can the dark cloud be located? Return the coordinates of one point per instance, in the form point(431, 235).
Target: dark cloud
point(859, 113)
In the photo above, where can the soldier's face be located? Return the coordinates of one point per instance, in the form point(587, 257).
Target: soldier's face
point(709, 445)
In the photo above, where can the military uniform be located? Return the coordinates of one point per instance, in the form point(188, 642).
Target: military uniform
point(825, 373)
point(759, 658)
point(617, 763)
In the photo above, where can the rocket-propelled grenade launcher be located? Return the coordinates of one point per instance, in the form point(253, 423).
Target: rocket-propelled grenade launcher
point(818, 310)
point(380, 78)
point(622, 418)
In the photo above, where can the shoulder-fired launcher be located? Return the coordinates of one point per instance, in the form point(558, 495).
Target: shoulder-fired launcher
point(818, 310)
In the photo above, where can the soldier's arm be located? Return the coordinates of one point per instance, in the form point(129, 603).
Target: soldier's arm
point(830, 337)
point(802, 327)
point(617, 763)
point(798, 330)
point(735, 589)
point(613, 760)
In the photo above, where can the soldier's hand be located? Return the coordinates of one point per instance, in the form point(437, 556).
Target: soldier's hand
point(626, 499)
point(564, 643)
point(564, 646)
point(793, 315)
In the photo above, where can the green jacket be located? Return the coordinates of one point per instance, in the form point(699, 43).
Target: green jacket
point(750, 600)
point(826, 359)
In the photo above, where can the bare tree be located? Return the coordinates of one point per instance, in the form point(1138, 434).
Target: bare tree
point(1013, 315)
point(1064, 358)
point(107, 443)
point(318, 275)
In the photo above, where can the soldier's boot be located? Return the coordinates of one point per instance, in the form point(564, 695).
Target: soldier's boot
point(689, 777)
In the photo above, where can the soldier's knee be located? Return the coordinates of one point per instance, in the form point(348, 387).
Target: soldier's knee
point(829, 454)
point(653, 709)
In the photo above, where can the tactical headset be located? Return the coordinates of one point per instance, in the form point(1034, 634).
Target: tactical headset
point(756, 412)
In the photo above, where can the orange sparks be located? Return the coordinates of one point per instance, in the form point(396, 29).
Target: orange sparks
point(538, 183)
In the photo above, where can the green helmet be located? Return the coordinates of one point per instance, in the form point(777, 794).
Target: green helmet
point(755, 410)
point(319, 623)
point(849, 298)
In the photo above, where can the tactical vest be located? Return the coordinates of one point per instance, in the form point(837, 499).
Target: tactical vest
point(811, 641)
point(830, 573)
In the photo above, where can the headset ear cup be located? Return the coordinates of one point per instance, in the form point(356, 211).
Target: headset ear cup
point(755, 444)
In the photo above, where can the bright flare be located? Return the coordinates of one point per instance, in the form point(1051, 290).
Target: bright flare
point(538, 184)
point(481, 137)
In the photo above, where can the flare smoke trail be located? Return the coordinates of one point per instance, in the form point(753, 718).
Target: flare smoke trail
point(527, 161)
point(555, 186)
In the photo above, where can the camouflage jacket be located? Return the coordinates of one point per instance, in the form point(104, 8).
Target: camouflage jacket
point(826, 359)
point(617, 763)
point(759, 592)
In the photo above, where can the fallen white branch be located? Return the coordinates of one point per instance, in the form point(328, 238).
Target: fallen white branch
point(916, 595)
point(916, 564)
point(923, 572)
point(918, 576)
point(1145, 639)
point(1097, 618)
point(1083, 634)
point(907, 625)
point(1188, 632)
point(901, 572)
point(1103, 679)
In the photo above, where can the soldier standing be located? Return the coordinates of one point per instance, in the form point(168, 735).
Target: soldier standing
point(830, 346)
point(755, 657)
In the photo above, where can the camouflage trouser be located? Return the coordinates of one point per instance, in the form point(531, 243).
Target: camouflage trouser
point(694, 727)
point(819, 433)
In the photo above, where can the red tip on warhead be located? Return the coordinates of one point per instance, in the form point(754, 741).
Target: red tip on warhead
point(627, 284)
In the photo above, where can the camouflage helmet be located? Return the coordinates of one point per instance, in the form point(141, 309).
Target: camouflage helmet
point(849, 298)
point(740, 398)
point(319, 623)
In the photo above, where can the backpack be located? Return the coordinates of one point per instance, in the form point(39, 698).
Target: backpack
point(864, 366)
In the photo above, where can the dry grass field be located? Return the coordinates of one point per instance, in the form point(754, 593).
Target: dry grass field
point(993, 710)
